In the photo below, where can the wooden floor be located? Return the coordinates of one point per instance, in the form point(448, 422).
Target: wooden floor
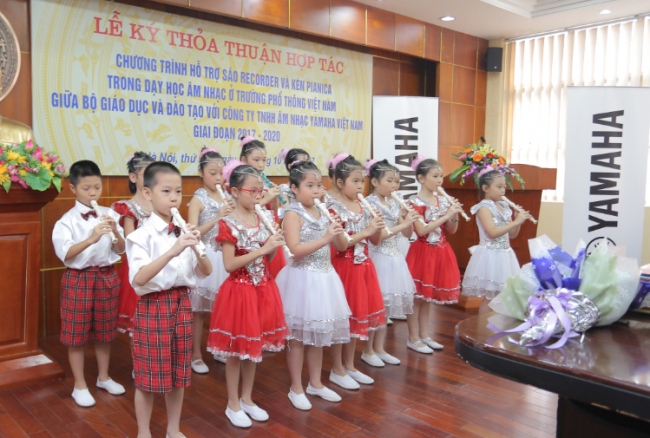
point(426, 396)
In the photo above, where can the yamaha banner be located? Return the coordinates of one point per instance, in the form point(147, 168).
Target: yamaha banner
point(608, 134)
point(402, 128)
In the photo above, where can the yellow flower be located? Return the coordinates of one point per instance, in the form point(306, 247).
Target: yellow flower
point(48, 166)
point(22, 172)
point(15, 156)
point(4, 176)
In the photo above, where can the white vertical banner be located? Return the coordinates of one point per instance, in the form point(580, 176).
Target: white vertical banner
point(402, 128)
point(608, 134)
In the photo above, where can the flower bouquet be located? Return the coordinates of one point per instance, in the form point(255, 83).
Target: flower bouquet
point(30, 166)
point(562, 295)
point(478, 159)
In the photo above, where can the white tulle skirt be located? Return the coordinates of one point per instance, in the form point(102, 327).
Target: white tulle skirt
point(203, 296)
point(315, 307)
point(488, 270)
point(396, 283)
point(403, 244)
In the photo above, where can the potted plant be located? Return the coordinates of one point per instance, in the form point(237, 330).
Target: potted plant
point(478, 159)
point(28, 165)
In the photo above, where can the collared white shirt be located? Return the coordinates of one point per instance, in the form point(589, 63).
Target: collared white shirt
point(151, 241)
point(72, 229)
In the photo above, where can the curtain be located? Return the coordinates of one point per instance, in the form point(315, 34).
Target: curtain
point(539, 70)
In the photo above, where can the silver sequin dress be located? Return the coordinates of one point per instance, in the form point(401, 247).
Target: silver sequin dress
point(395, 280)
point(313, 297)
point(492, 261)
point(202, 297)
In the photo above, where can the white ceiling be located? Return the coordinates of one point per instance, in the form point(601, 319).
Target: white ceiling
point(492, 19)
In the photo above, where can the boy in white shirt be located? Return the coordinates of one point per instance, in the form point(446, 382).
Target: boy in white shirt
point(90, 287)
point(163, 266)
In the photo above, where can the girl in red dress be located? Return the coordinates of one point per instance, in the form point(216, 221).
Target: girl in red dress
point(355, 268)
point(253, 153)
point(247, 317)
point(133, 213)
point(430, 258)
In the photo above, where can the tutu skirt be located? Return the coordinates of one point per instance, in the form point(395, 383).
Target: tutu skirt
point(202, 297)
point(247, 320)
point(128, 301)
point(488, 270)
point(435, 271)
point(397, 286)
point(315, 307)
point(363, 294)
point(403, 245)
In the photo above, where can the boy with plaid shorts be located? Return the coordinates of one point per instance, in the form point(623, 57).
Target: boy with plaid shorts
point(90, 287)
point(163, 266)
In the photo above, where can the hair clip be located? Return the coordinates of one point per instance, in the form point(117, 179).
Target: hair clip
point(283, 154)
point(206, 150)
point(338, 158)
point(219, 162)
point(370, 163)
point(416, 161)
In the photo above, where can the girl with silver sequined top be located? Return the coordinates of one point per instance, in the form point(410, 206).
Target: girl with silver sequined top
point(247, 317)
point(290, 157)
point(205, 210)
point(397, 286)
point(355, 268)
point(492, 261)
point(431, 259)
point(313, 297)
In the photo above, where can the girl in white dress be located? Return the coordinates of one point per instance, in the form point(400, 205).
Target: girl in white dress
point(205, 210)
point(315, 306)
point(492, 261)
point(395, 281)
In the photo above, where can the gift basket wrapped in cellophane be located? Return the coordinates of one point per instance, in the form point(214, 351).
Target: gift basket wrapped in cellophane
point(558, 295)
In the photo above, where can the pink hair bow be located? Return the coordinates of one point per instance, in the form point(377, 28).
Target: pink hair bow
point(283, 153)
point(206, 150)
point(229, 167)
point(244, 141)
point(369, 164)
point(338, 158)
point(416, 161)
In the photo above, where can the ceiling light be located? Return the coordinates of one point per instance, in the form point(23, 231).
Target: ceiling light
point(447, 18)
point(605, 11)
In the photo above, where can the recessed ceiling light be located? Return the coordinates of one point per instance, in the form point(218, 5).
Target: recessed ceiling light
point(605, 11)
point(447, 18)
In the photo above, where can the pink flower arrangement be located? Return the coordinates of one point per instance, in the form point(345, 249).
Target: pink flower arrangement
point(28, 165)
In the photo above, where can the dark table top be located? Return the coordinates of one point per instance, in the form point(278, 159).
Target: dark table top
point(611, 367)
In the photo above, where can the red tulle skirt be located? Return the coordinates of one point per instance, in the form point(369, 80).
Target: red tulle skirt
point(363, 294)
point(435, 271)
point(128, 300)
point(247, 320)
point(278, 262)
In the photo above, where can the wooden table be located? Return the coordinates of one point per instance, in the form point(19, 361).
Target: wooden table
point(603, 383)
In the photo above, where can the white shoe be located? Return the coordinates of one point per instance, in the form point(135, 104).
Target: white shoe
point(388, 321)
point(325, 393)
point(111, 386)
point(299, 401)
point(433, 344)
point(399, 318)
point(221, 358)
point(167, 436)
point(373, 361)
point(133, 374)
point(239, 418)
point(345, 382)
point(389, 359)
point(83, 398)
point(360, 377)
point(199, 367)
point(255, 412)
point(420, 347)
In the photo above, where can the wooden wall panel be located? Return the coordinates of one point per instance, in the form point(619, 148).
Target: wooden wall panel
point(184, 3)
point(464, 85)
point(51, 301)
point(409, 36)
point(445, 81)
point(15, 105)
point(447, 46)
point(444, 124)
point(381, 28)
point(348, 21)
point(482, 51)
point(432, 41)
point(13, 269)
point(465, 47)
point(481, 88)
point(52, 213)
point(226, 7)
point(311, 16)
point(462, 124)
point(385, 77)
point(273, 12)
point(411, 79)
point(479, 122)
point(17, 12)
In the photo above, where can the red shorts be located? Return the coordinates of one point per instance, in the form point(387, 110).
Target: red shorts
point(162, 341)
point(89, 303)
